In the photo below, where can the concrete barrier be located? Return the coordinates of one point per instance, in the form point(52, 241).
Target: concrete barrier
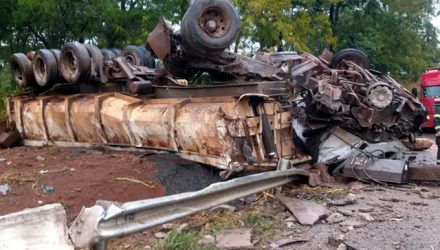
point(41, 228)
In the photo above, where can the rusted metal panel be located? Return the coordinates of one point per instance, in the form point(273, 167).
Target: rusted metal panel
point(82, 118)
point(55, 120)
point(151, 126)
point(222, 131)
point(32, 120)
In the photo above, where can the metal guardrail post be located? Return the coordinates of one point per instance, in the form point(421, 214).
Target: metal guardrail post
point(101, 245)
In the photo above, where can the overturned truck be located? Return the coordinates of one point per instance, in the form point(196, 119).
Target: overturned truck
point(184, 92)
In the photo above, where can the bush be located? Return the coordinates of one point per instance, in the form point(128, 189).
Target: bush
point(7, 88)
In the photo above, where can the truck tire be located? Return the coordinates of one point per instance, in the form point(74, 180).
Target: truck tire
point(151, 62)
point(45, 67)
point(134, 55)
point(138, 55)
point(108, 54)
point(97, 59)
point(117, 52)
point(75, 63)
point(354, 55)
point(57, 54)
point(209, 26)
point(21, 69)
point(30, 55)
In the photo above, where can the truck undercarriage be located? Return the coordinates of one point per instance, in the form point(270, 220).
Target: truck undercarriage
point(252, 113)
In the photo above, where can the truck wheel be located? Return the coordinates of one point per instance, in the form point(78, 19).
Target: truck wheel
point(57, 54)
point(117, 52)
point(353, 55)
point(45, 67)
point(97, 59)
point(151, 62)
point(108, 54)
point(30, 55)
point(138, 55)
point(134, 55)
point(21, 69)
point(209, 26)
point(75, 64)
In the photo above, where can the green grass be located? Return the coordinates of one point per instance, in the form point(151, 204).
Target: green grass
point(183, 241)
point(7, 88)
point(260, 224)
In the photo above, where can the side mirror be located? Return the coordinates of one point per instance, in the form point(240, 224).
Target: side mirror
point(414, 91)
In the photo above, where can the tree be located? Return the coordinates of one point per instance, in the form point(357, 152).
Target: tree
point(284, 25)
point(398, 37)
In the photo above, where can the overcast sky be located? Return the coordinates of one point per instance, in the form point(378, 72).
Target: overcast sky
point(436, 21)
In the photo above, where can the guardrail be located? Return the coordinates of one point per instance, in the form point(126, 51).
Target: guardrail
point(106, 220)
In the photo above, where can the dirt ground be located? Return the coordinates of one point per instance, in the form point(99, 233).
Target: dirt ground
point(82, 176)
point(404, 217)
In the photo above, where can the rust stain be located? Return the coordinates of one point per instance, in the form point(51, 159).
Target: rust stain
point(208, 130)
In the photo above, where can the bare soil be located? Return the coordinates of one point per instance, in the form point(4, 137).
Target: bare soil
point(80, 177)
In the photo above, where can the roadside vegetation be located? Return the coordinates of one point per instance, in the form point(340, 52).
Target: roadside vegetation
point(6, 88)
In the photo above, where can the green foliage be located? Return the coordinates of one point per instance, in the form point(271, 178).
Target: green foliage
point(277, 25)
point(259, 223)
point(397, 36)
point(180, 241)
point(7, 88)
point(183, 241)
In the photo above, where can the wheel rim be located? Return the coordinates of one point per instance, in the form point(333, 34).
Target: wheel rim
point(214, 22)
point(18, 74)
point(40, 70)
point(71, 63)
point(131, 59)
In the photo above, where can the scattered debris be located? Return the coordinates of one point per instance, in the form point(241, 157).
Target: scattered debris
point(419, 145)
point(134, 181)
point(414, 203)
point(289, 241)
point(393, 199)
point(40, 158)
point(4, 189)
point(348, 200)
point(160, 235)
point(335, 218)
point(48, 189)
point(352, 223)
point(182, 227)
point(366, 217)
point(319, 175)
point(9, 138)
point(337, 240)
point(307, 213)
point(42, 172)
point(345, 212)
point(364, 167)
point(207, 240)
point(222, 208)
point(36, 228)
point(167, 227)
point(366, 209)
point(235, 239)
point(428, 195)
